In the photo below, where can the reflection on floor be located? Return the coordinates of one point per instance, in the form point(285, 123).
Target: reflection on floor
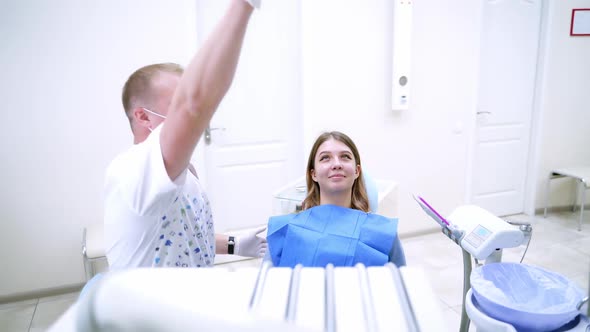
point(555, 245)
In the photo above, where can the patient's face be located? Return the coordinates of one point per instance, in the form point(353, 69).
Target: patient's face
point(335, 168)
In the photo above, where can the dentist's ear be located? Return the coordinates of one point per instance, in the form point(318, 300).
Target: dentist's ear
point(140, 117)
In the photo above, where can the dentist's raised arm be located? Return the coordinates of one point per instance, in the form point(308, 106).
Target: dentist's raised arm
point(202, 87)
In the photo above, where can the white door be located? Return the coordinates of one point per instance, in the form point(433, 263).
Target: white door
point(257, 150)
point(508, 64)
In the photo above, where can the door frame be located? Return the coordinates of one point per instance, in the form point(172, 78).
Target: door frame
point(533, 165)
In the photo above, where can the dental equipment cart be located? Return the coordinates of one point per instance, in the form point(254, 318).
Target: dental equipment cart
point(482, 236)
point(359, 298)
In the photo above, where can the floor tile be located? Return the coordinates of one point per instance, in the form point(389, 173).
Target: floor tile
point(17, 318)
point(582, 245)
point(569, 221)
point(18, 303)
point(49, 311)
point(451, 319)
point(561, 259)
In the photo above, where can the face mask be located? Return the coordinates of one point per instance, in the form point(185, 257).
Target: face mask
point(154, 113)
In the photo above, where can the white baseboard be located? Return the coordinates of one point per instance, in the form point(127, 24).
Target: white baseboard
point(35, 294)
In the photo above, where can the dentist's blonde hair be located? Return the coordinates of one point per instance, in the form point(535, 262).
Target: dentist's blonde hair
point(139, 91)
point(359, 199)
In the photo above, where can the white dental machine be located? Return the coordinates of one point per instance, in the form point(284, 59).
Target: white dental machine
point(482, 235)
point(476, 230)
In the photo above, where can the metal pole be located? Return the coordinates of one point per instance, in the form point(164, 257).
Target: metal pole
point(464, 327)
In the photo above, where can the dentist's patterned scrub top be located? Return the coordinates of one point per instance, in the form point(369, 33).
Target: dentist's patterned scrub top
point(150, 220)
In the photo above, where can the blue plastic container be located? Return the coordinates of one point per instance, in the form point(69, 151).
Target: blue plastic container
point(528, 297)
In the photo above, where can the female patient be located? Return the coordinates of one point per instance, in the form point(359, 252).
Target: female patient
point(335, 226)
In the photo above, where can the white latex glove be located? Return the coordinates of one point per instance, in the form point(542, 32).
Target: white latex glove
point(248, 244)
point(254, 3)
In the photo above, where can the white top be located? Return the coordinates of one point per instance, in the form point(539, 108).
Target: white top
point(580, 173)
point(151, 221)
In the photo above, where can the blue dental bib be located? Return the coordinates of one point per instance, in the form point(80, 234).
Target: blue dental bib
point(330, 234)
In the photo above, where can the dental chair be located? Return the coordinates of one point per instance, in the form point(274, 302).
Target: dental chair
point(93, 248)
point(382, 196)
point(359, 298)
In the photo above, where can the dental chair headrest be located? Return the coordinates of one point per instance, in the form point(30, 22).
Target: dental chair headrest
point(372, 192)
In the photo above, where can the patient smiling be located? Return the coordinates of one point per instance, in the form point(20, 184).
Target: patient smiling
point(336, 225)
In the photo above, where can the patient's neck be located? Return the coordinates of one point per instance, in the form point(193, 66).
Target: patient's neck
point(341, 199)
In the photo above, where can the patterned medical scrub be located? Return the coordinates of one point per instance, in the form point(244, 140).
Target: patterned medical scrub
point(150, 220)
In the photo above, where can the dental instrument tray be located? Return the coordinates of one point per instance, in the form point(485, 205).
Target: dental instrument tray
point(356, 299)
point(476, 230)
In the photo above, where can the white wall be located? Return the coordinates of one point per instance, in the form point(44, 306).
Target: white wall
point(63, 65)
point(564, 104)
point(347, 87)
